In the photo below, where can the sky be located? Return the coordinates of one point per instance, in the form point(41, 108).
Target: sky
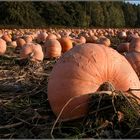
point(134, 1)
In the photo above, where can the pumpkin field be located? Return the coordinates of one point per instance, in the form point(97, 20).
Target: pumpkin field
point(70, 83)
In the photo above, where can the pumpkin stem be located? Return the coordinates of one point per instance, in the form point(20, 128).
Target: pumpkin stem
point(106, 86)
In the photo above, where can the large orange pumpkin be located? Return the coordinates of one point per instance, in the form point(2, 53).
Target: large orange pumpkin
point(2, 46)
point(32, 51)
point(52, 48)
point(81, 71)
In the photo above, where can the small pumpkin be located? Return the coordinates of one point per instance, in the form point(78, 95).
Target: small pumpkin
point(58, 36)
point(123, 47)
point(91, 39)
point(52, 48)
point(32, 51)
point(66, 44)
point(51, 36)
point(12, 44)
point(7, 38)
point(104, 40)
point(20, 42)
point(81, 71)
point(131, 37)
point(122, 35)
point(79, 40)
point(2, 46)
point(28, 38)
point(41, 36)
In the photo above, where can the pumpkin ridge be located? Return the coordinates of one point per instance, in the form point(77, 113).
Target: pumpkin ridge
point(110, 67)
point(70, 55)
point(106, 64)
point(93, 58)
point(90, 60)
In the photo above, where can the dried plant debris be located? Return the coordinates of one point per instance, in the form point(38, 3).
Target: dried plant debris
point(25, 111)
point(111, 115)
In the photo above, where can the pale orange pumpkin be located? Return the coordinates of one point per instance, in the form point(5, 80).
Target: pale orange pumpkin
point(33, 51)
point(41, 37)
point(51, 36)
point(82, 40)
point(66, 44)
point(7, 38)
point(122, 35)
point(52, 48)
point(79, 40)
point(13, 44)
point(28, 38)
point(2, 46)
point(91, 33)
point(91, 39)
point(104, 40)
point(20, 42)
point(58, 36)
point(81, 71)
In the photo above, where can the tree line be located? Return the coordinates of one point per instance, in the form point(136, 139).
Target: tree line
point(97, 14)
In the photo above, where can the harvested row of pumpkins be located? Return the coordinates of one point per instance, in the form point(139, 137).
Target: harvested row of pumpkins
point(42, 45)
point(83, 66)
point(67, 39)
point(72, 32)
